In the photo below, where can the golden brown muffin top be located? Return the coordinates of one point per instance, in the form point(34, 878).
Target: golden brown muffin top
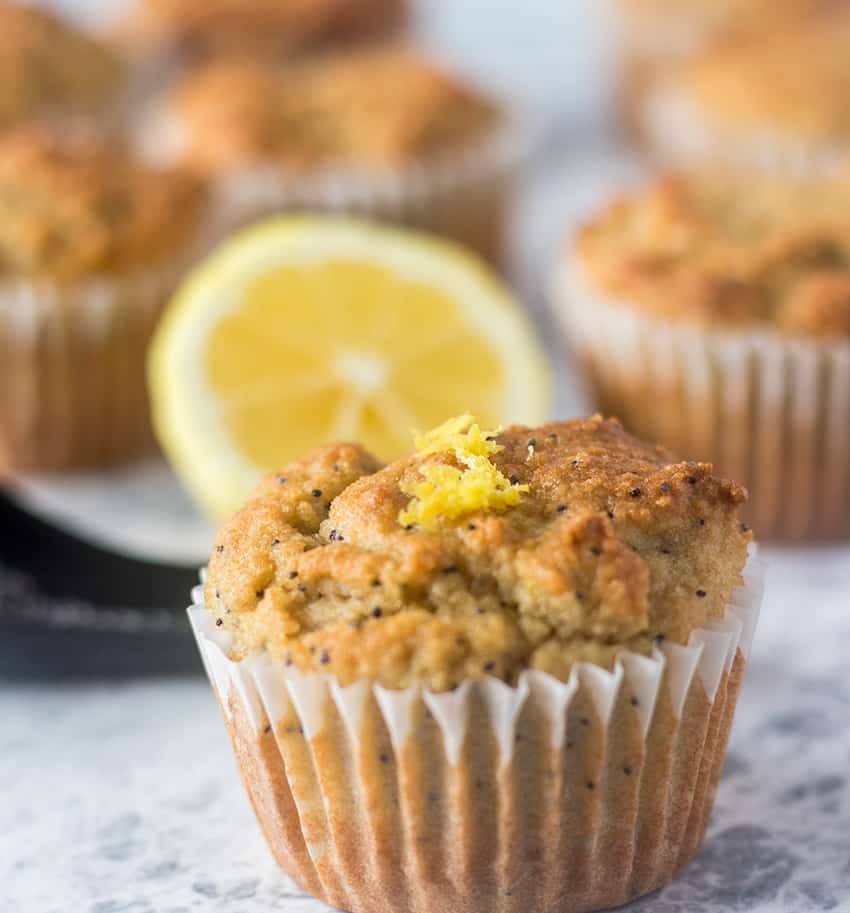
point(70, 210)
point(380, 107)
point(792, 80)
point(264, 25)
point(727, 250)
point(46, 64)
point(613, 545)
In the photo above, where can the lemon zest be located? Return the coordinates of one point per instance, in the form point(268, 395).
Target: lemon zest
point(449, 491)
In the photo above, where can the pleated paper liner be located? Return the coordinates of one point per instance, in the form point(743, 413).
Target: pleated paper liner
point(768, 410)
point(557, 796)
point(465, 196)
point(72, 369)
point(673, 130)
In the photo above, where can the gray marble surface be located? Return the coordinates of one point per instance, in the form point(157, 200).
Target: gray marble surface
point(126, 799)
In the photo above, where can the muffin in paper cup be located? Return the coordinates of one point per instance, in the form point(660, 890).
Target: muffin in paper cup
point(92, 244)
point(721, 327)
point(774, 100)
point(391, 774)
point(379, 133)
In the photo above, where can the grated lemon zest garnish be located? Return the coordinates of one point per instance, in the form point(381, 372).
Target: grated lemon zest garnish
point(448, 491)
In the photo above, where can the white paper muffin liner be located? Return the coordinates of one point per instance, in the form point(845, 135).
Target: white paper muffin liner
point(769, 410)
point(72, 368)
point(465, 196)
point(676, 132)
point(558, 796)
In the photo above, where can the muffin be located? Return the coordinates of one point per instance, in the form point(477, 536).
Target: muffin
point(266, 27)
point(91, 244)
point(776, 100)
point(499, 673)
point(712, 312)
point(379, 132)
point(51, 71)
point(657, 35)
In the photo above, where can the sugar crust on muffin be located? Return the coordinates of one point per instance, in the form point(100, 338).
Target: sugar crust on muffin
point(613, 545)
point(377, 107)
point(46, 64)
point(729, 251)
point(76, 208)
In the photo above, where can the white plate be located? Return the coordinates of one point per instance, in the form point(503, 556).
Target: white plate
point(139, 511)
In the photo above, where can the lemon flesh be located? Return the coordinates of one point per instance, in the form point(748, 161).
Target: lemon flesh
point(303, 330)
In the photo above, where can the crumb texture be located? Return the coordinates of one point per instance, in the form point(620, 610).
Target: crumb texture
point(74, 209)
point(614, 544)
point(47, 64)
point(378, 107)
point(729, 251)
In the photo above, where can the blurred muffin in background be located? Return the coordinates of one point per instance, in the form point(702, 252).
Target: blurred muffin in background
point(49, 70)
point(379, 132)
point(712, 312)
point(201, 27)
point(778, 99)
point(91, 244)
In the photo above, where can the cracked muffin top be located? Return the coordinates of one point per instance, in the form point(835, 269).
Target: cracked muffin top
point(71, 210)
point(726, 250)
point(373, 108)
point(47, 66)
point(274, 26)
point(792, 81)
point(553, 545)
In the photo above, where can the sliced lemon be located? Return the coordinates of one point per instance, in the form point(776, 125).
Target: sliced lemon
point(304, 330)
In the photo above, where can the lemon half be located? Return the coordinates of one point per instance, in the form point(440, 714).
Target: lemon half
point(304, 330)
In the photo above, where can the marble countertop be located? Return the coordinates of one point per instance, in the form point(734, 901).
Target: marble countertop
point(126, 799)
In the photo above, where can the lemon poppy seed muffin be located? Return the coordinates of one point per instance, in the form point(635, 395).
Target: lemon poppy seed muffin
point(203, 27)
point(614, 545)
point(713, 312)
point(381, 132)
point(49, 69)
point(91, 242)
point(774, 99)
point(508, 662)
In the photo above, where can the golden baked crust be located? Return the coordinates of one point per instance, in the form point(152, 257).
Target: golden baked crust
point(613, 545)
point(727, 250)
point(74, 209)
point(46, 64)
point(265, 25)
point(793, 81)
point(380, 107)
